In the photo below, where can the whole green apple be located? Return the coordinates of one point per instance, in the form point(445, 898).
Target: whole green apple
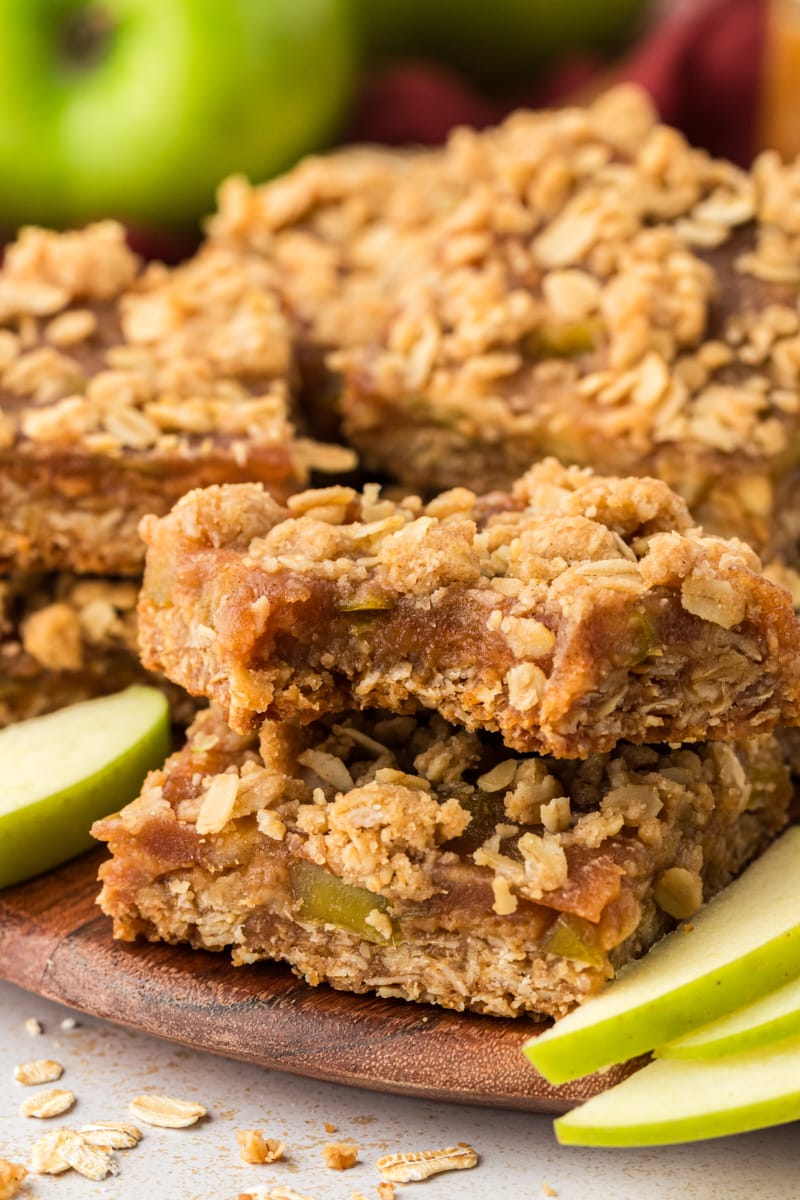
point(138, 108)
point(497, 44)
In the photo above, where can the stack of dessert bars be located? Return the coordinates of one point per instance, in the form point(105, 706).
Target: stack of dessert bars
point(478, 752)
point(121, 389)
point(479, 735)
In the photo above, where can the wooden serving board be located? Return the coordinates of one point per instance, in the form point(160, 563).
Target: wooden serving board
point(54, 941)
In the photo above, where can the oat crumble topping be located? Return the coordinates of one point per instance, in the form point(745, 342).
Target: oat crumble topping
point(571, 612)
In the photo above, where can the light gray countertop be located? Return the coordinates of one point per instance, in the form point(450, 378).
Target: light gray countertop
point(106, 1066)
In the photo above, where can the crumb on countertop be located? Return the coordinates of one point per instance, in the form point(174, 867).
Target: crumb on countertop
point(339, 1156)
point(255, 1148)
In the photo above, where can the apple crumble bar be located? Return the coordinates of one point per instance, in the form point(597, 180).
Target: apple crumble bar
point(581, 283)
point(64, 639)
point(398, 854)
point(120, 390)
point(568, 614)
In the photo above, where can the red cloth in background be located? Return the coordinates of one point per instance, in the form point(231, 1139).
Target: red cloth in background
point(701, 65)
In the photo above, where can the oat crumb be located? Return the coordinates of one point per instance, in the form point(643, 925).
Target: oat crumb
point(330, 1127)
point(548, 1189)
point(33, 1027)
point(68, 1023)
point(339, 1156)
point(255, 1148)
point(385, 1190)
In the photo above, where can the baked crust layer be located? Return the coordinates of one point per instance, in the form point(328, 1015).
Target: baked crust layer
point(404, 856)
point(570, 613)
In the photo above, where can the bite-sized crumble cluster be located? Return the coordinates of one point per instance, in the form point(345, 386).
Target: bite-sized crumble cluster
point(66, 638)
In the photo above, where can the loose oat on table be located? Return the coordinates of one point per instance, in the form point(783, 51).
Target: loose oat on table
point(278, 1191)
point(416, 1165)
point(11, 1178)
point(490, 904)
point(386, 1190)
point(93, 1162)
point(50, 1103)
point(166, 1112)
point(255, 1148)
point(114, 1135)
point(567, 614)
point(340, 1156)
point(46, 1152)
point(33, 1027)
point(39, 1070)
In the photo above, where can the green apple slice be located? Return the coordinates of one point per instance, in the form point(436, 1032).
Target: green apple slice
point(743, 944)
point(62, 771)
point(772, 1019)
point(677, 1101)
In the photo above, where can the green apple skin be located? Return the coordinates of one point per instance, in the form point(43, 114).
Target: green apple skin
point(744, 943)
point(772, 1019)
point(67, 769)
point(183, 93)
point(676, 1101)
point(499, 44)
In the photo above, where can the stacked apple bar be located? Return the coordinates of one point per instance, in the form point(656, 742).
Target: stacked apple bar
point(121, 389)
point(480, 751)
point(581, 283)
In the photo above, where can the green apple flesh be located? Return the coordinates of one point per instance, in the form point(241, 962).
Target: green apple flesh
point(676, 1101)
point(63, 771)
point(743, 944)
point(772, 1019)
point(138, 108)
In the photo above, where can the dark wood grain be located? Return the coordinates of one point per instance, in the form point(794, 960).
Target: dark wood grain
point(54, 941)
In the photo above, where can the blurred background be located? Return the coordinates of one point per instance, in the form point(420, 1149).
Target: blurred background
point(138, 108)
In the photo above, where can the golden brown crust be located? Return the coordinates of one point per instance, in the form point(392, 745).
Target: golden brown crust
point(571, 613)
point(581, 283)
point(120, 390)
point(402, 855)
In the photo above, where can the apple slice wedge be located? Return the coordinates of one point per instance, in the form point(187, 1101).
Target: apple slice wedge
point(680, 1101)
point(62, 771)
point(773, 1018)
point(743, 944)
